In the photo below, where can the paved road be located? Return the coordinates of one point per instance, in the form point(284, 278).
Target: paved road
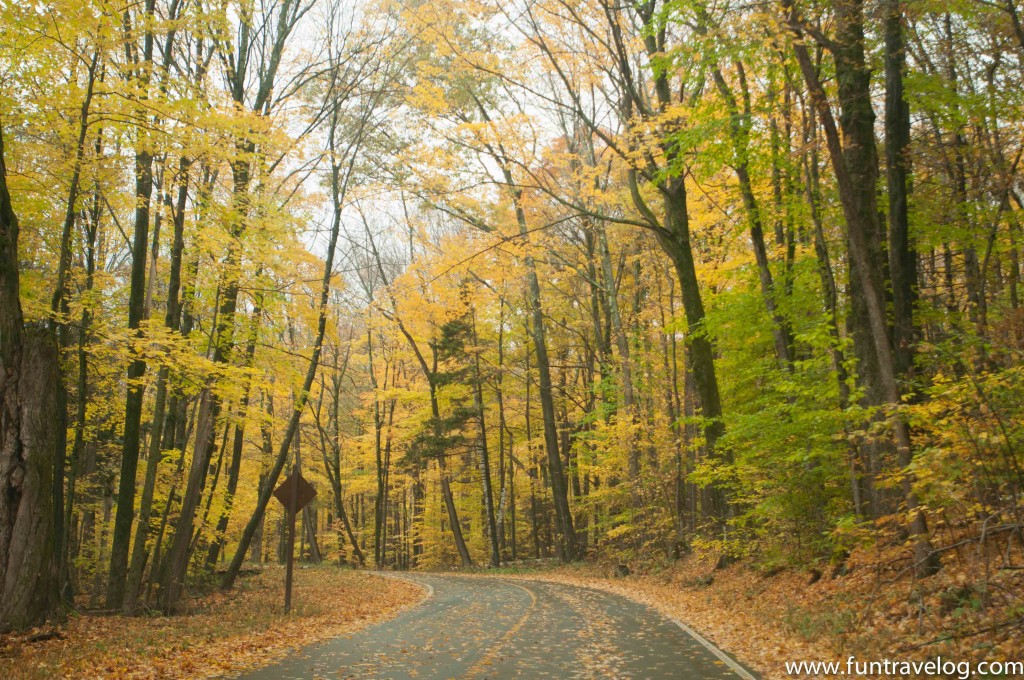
point(504, 628)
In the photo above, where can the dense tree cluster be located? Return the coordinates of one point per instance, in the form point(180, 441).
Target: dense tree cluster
point(549, 278)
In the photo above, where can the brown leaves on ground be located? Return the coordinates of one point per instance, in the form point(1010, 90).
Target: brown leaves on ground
point(221, 634)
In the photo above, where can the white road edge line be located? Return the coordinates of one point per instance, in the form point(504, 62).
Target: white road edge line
point(723, 657)
point(426, 586)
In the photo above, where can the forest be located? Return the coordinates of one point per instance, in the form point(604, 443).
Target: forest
point(574, 280)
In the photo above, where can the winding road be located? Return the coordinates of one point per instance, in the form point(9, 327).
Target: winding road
point(489, 627)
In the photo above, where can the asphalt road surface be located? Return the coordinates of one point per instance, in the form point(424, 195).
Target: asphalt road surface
point(504, 628)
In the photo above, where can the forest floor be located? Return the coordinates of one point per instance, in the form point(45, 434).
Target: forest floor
point(969, 612)
point(219, 634)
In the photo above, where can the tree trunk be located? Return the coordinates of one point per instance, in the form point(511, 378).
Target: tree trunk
point(82, 387)
point(235, 465)
point(622, 343)
point(485, 460)
point(676, 242)
point(854, 161)
point(300, 404)
point(117, 577)
point(171, 320)
point(739, 131)
point(902, 255)
point(173, 570)
point(446, 486)
point(31, 439)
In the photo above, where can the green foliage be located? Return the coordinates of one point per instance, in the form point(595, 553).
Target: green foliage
point(458, 149)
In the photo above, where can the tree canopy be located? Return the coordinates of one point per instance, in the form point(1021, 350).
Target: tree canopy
point(506, 280)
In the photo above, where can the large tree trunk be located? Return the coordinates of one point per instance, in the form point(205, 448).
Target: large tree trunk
point(700, 352)
point(855, 163)
point(674, 239)
point(556, 471)
point(30, 440)
point(559, 486)
point(117, 578)
point(133, 402)
point(171, 319)
point(902, 255)
point(173, 572)
point(32, 433)
point(505, 480)
point(861, 484)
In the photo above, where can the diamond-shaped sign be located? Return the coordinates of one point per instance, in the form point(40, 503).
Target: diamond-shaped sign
point(286, 492)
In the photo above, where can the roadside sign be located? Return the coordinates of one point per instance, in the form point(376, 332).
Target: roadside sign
point(295, 494)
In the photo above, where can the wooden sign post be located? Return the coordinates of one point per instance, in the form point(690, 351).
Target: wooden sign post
point(294, 493)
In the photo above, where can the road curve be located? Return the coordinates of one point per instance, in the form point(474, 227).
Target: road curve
point(503, 628)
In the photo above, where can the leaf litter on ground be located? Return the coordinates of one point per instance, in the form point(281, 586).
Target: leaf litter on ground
point(219, 635)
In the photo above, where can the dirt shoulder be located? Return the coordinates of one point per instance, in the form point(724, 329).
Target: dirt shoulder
point(220, 634)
